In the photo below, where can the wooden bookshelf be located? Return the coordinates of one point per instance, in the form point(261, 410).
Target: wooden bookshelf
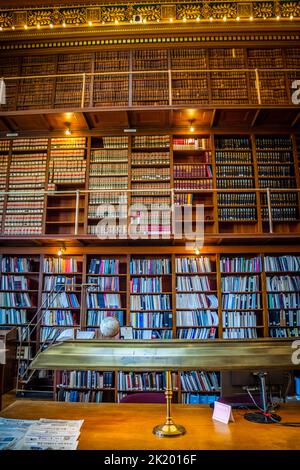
point(237, 211)
point(181, 76)
point(201, 170)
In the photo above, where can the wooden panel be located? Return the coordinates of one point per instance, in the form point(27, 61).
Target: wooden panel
point(199, 117)
point(107, 120)
point(277, 117)
point(234, 118)
point(57, 121)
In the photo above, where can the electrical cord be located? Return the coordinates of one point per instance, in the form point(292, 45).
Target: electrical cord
point(294, 424)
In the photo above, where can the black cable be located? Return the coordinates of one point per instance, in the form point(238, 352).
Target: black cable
point(294, 424)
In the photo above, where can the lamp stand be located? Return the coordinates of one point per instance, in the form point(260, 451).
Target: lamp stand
point(265, 416)
point(169, 428)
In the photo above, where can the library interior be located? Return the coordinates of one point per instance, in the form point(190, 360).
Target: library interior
point(150, 224)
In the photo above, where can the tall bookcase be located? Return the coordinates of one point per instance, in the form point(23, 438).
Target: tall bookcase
point(61, 296)
point(150, 184)
point(276, 169)
point(194, 177)
point(106, 293)
point(4, 161)
point(108, 173)
point(27, 173)
point(66, 174)
point(196, 297)
point(150, 301)
point(237, 211)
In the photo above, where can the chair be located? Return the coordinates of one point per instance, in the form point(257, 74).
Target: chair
point(144, 397)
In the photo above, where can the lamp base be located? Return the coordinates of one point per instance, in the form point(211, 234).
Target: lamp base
point(261, 418)
point(169, 430)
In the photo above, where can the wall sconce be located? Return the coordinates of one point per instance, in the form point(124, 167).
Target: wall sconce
point(61, 251)
point(192, 128)
point(68, 129)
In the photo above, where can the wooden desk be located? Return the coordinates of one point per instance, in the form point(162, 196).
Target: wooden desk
point(111, 426)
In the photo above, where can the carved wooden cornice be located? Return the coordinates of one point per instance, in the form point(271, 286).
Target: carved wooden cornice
point(96, 13)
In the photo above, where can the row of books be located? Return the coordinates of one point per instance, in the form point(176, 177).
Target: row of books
point(112, 169)
point(284, 318)
point(194, 184)
point(156, 141)
point(241, 301)
point(13, 316)
point(150, 266)
point(241, 264)
point(234, 170)
point(150, 158)
point(109, 155)
point(58, 317)
point(239, 319)
point(194, 171)
point(60, 300)
point(95, 317)
point(233, 143)
point(240, 284)
point(197, 333)
point(15, 299)
point(193, 283)
point(283, 283)
point(29, 144)
point(10, 282)
point(151, 319)
point(281, 214)
point(200, 381)
point(146, 284)
point(237, 214)
point(236, 199)
point(284, 332)
point(276, 143)
point(197, 318)
point(117, 183)
point(280, 199)
point(69, 142)
point(145, 381)
point(193, 265)
point(15, 264)
point(106, 283)
point(240, 333)
point(233, 157)
point(162, 174)
point(283, 300)
point(191, 143)
point(150, 302)
point(280, 170)
point(236, 183)
point(59, 283)
point(152, 334)
point(104, 266)
point(277, 183)
point(196, 301)
point(85, 379)
point(274, 157)
point(100, 300)
point(282, 263)
point(76, 396)
point(60, 265)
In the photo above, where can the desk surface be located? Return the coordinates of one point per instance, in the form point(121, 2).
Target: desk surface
point(111, 426)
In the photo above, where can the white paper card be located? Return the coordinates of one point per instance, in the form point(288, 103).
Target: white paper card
point(222, 412)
